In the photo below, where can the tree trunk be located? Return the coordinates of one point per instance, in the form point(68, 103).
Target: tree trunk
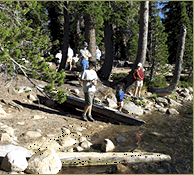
point(152, 70)
point(66, 36)
point(77, 34)
point(105, 71)
point(178, 67)
point(90, 35)
point(142, 44)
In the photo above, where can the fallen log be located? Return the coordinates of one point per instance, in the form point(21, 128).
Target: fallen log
point(93, 158)
point(108, 113)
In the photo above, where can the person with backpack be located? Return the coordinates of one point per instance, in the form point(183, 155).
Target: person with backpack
point(119, 96)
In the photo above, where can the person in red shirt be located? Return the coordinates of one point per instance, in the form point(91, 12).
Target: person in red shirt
point(138, 75)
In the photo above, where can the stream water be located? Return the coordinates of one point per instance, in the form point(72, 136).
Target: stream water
point(162, 133)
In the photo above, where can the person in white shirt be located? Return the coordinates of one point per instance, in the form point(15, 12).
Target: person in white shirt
point(58, 58)
point(69, 58)
point(89, 79)
point(84, 53)
point(98, 53)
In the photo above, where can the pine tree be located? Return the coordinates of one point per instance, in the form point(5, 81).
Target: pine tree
point(18, 39)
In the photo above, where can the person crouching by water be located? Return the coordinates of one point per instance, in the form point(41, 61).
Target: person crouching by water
point(119, 96)
point(89, 79)
point(138, 75)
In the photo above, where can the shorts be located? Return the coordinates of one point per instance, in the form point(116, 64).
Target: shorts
point(89, 98)
point(120, 103)
point(139, 83)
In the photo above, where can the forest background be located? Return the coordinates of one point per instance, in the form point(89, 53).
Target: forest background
point(32, 29)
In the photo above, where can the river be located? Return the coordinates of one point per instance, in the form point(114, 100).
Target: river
point(162, 133)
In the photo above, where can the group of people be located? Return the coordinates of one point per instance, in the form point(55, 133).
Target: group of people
point(82, 57)
point(89, 78)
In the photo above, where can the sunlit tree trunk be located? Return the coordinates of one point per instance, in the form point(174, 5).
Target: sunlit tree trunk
point(90, 35)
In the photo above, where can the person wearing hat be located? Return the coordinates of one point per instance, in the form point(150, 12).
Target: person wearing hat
point(84, 53)
point(58, 58)
point(89, 79)
point(138, 75)
point(119, 96)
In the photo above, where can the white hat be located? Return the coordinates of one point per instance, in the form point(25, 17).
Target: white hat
point(139, 65)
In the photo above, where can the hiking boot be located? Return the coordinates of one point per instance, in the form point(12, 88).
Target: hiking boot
point(84, 117)
point(135, 98)
point(90, 117)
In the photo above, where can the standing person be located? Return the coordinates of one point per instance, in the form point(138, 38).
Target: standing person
point(84, 53)
point(98, 53)
point(69, 58)
point(58, 58)
point(89, 79)
point(138, 75)
point(119, 96)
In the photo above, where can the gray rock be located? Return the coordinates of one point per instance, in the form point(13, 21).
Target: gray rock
point(107, 145)
point(185, 90)
point(86, 144)
point(163, 110)
point(157, 106)
point(162, 100)
point(131, 108)
point(44, 162)
point(173, 103)
point(32, 134)
point(15, 161)
point(76, 91)
point(190, 90)
point(147, 111)
point(172, 111)
point(161, 104)
point(67, 141)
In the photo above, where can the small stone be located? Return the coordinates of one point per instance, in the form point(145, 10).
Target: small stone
point(76, 91)
point(107, 145)
point(121, 168)
point(79, 134)
point(79, 149)
point(10, 131)
point(31, 97)
point(67, 141)
point(32, 134)
point(36, 117)
point(163, 110)
point(172, 111)
point(86, 144)
point(65, 130)
point(5, 138)
point(82, 139)
point(21, 123)
point(156, 134)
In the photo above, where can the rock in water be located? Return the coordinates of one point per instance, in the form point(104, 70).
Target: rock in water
point(44, 162)
point(15, 161)
point(131, 108)
point(107, 145)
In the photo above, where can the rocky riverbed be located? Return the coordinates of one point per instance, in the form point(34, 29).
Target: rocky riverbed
point(30, 120)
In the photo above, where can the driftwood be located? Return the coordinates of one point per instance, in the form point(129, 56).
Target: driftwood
point(93, 158)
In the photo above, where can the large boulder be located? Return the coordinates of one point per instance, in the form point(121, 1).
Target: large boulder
point(131, 108)
point(107, 145)
point(173, 103)
point(44, 162)
point(15, 161)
